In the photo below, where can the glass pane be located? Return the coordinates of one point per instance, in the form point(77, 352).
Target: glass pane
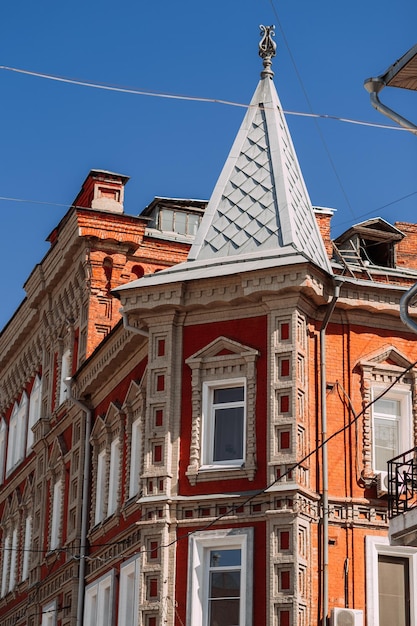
point(225, 558)
point(230, 394)
point(193, 222)
point(180, 223)
point(228, 434)
point(386, 442)
point(388, 407)
point(224, 613)
point(167, 220)
point(393, 589)
point(225, 584)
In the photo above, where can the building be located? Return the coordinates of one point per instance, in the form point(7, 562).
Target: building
point(219, 454)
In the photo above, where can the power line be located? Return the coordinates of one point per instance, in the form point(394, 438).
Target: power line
point(173, 96)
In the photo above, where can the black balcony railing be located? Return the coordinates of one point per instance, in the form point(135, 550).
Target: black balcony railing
point(402, 483)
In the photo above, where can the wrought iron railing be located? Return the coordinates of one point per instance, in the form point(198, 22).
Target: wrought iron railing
point(402, 483)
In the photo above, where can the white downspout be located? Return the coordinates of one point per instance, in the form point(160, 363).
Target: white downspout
point(325, 464)
point(133, 329)
point(85, 503)
point(373, 86)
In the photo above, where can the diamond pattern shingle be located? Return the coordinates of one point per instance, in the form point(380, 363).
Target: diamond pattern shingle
point(260, 203)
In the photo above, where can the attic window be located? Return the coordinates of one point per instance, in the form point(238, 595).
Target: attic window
point(180, 222)
point(369, 243)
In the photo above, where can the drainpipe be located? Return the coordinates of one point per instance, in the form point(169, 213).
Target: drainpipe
point(133, 329)
point(85, 502)
point(404, 302)
point(373, 86)
point(325, 464)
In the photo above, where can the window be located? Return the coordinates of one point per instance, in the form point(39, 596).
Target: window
point(65, 373)
point(135, 456)
point(56, 514)
point(114, 478)
point(179, 222)
point(49, 614)
point(7, 541)
point(34, 411)
point(391, 427)
point(3, 440)
point(100, 487)
point(390, 580)
point(223, 429)
point(224, 423)
point(17, 434)
point(27, 547)
point(220, 578)
point(98, 609)
point(129, 593)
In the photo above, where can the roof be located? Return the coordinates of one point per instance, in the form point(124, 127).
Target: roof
point(260, 213)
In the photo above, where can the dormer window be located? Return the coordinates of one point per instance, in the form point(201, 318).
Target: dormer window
point(178, 222)
point(174, 216)
point(370, 243)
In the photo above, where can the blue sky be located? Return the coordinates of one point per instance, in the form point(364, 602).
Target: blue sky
point(53, 133)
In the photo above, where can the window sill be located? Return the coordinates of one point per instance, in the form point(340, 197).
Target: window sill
point(206, 473)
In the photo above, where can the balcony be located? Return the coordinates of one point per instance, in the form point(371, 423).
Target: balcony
point(402, 498)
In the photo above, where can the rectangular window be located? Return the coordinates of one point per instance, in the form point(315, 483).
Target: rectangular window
point(129, 593)
point(5, 565)
point(34, 411)
point(390, 583)
point(3, 440)
point(224, 423)
point(65, 373)
point(135, 454)
point(220, 578)
point(100, 487)
point(391, 428)
point(114, 483)
point(98, 609)
point(13, 561)
point(27, 547)
point(49, 612)
point(56, 514)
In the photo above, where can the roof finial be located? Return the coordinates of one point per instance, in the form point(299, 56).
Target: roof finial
point(267, 48)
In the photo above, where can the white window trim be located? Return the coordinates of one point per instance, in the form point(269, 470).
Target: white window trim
point(207, 446)
point(6, 560)
point(94, 597)
point(49, 612)
point(100, 487)
point(13, 560)
point(3, 442)
point(135, 457)
point(405, 422)
point(27, 547)
point(57, 494)
point(114, 477)
point(17, 434)
point(34, 411)
point(65, 373)
point(374, 547)
point(199, 545)
point(129, 575)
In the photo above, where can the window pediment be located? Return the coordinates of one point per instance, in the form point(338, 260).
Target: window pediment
point(387, 356)
point(221, 348)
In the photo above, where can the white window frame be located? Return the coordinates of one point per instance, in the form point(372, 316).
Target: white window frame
point(376, 546)
point(57, 497)
point(200, 544)
point(135, 457)
point(129, 592)
point(13, 560)
point(34, 411)
point(405, 436)
point(17, 434)
point(114, 477)
point(49, 612)
point(98, 612)
point(26, 547)
point(99, 513)
point(65, 373)
point(3, 443)
point(7, 540)
point(208, 435)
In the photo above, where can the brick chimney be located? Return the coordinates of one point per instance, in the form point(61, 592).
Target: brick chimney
point(103, 191)
point(323, 216)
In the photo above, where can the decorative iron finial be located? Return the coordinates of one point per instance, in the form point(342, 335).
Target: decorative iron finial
point(267, 49)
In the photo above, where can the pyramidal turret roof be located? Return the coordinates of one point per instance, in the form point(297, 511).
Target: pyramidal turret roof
point(260, 213)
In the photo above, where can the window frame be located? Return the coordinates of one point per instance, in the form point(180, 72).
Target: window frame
point(374, 547)
point(199, 547)
point(3, 449)
point(49, 614)
point(94, 591)
point(135, 457)
point(404, 421)
point(34, 413)
point(209, 423)
point(129, 570)
point(57, 497)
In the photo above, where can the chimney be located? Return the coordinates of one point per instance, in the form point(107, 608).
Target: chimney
point(323, 216)
point(103, 191)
